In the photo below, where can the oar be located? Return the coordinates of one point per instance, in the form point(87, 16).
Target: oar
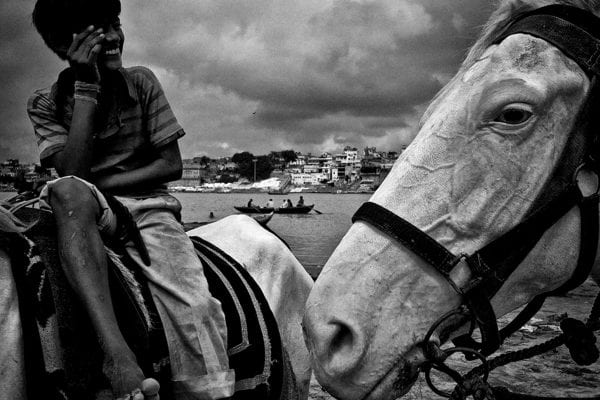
point(317, 211)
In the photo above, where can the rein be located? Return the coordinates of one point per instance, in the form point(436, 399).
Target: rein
point(577, 33)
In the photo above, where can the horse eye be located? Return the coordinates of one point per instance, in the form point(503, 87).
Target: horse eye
point(513, 116)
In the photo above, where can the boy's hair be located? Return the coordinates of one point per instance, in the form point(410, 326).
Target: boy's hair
point(58, 20)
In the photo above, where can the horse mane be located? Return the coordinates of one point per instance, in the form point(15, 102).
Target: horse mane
point(506, 11)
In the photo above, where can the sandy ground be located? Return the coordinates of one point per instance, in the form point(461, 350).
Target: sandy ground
point(551, 374)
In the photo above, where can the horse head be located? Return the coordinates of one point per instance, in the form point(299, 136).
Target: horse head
point(500, 145)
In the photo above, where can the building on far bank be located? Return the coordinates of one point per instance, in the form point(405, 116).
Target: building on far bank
point(193, 174)
point(306, 179)
point(347, 169)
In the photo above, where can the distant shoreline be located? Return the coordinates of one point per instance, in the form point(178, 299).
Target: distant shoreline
point(250, 191)
point(255, 191)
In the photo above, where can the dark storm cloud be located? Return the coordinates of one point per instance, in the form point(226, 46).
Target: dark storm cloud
point(304, 63)
point(25, 64)
point(263, 75)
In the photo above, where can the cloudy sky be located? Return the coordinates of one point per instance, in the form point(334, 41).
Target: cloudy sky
point(262, 75)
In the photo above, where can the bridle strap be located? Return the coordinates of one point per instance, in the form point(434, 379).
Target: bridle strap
point(487, 264)
point(409, 235)
point(555, 24)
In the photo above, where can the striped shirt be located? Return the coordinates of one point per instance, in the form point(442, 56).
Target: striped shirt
point(139, 122)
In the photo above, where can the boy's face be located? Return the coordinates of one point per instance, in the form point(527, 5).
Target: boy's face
point(112, 47)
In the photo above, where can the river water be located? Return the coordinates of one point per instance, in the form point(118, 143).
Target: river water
point(312, 237)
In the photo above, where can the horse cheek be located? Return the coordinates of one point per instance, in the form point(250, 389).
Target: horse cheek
point(481, 190)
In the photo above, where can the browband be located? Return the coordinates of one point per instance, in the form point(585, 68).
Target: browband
point(573, 30)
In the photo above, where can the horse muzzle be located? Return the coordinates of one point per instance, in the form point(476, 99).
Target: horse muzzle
point(348, 369)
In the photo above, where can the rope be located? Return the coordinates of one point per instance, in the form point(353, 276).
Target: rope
point(518, 355)
point(577, 336)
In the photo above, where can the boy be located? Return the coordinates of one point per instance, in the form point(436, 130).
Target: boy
point(107, 129)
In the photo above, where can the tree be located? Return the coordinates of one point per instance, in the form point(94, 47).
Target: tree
point(226, 178)
point(242, 158)
point(263, 167)
point(282, 158)
point(202, 160)
point(289, 156)
point(246, 165)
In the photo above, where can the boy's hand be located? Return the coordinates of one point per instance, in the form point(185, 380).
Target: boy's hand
point(83, 54)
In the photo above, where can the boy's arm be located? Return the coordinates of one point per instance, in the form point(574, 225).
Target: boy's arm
point(165, 168)
point(75, 158)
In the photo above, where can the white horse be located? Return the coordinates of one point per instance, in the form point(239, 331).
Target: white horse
point(283, 280)
point(486, 148)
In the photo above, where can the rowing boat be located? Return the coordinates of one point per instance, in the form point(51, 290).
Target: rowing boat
point(276, 210)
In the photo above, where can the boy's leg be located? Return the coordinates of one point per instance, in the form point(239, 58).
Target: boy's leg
point(83, 259)
point(193, 320)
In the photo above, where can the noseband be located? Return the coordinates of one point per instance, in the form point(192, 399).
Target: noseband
point(577, 34)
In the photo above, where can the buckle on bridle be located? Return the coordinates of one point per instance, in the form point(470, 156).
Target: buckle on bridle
point(478, 269)
point(455, 275)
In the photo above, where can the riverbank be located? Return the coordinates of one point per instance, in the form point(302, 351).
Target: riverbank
point(301, 190)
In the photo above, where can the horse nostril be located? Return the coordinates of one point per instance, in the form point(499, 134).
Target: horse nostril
point(337, 345)
point(342, 338)
point(344, 349)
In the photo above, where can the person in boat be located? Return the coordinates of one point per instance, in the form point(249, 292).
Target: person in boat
point(270, 203)
point(250, 203)
point(289, 204)
point(300, 202)
point(284, 204)
point(111, 135)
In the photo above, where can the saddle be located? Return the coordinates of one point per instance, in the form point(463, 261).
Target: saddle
point(63, 358)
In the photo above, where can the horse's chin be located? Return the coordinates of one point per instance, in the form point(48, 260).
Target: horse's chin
point(396, 383)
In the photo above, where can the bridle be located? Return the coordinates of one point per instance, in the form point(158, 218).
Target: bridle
point(577, 33)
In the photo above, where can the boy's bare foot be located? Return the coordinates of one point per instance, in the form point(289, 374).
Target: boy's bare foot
point(126, 379)
point(149, 391)
point(150, 388)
